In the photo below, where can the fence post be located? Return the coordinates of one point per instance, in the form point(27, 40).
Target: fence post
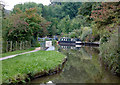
point(30, 44)
point(16, 45)
point(7, 47)
point(26, 45)
point(23, 45)
point(20, 44)
point(10, 45)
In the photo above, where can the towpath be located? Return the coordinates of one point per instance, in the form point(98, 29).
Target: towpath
point(11, 56)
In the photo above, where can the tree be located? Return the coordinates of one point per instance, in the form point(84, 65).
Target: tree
point(28, 5)
point(36, 23)
point(64, 25)
point(85, 10)
point(15, 28)
point(71, 8)
point(22, 26)
point(106, 18)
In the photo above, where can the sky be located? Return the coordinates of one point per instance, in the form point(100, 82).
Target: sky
point(9, 4)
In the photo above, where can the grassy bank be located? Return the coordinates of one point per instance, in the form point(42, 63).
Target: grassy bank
point(16, 52)
point(110, 53)
point(25, 67)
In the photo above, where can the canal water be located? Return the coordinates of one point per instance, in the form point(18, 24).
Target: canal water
point(84, 65)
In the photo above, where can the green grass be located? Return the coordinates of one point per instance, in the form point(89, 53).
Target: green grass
point(16, 52)
point(18, 67)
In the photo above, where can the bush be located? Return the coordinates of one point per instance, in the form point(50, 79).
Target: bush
point(73, 35)
point(103, 40)
point(54, 42)
point(95, 37)
point(37, 44)
point(46, 39)
point(85, 32)
point(111, 53)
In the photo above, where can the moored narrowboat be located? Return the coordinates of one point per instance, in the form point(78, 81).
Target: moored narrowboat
point(69, 41)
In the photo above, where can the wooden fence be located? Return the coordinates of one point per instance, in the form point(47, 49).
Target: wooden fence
point(12, 46)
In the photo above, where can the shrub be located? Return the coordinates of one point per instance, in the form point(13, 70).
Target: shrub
point(85, 32)
point(37, 44)
point(54, 42)
point(103, 40)
point(111, 53)
point(73, 35)
point(46, 39)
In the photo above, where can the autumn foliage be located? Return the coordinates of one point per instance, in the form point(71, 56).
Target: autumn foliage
point(106, 11)
point(25, 25)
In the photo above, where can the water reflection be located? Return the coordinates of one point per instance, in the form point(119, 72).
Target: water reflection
point(69, 47)
point(83, 66)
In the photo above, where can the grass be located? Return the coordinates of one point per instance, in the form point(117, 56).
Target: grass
point(17, 69)
point(16, 52)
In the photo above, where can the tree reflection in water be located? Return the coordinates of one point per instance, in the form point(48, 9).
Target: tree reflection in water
point(83, 66)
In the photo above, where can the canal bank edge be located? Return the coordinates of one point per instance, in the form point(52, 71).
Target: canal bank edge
point(30, 77)
point(51, 71)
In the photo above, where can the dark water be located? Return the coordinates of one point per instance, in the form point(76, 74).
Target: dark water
point(83, 66)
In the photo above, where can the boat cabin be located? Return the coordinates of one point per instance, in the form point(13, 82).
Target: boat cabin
point(69, 39)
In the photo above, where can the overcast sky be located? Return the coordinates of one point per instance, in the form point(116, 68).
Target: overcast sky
point(10, 3)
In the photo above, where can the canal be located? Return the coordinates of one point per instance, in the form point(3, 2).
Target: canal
point(84, 65)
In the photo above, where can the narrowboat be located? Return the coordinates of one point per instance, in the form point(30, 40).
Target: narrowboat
point(69, 41)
